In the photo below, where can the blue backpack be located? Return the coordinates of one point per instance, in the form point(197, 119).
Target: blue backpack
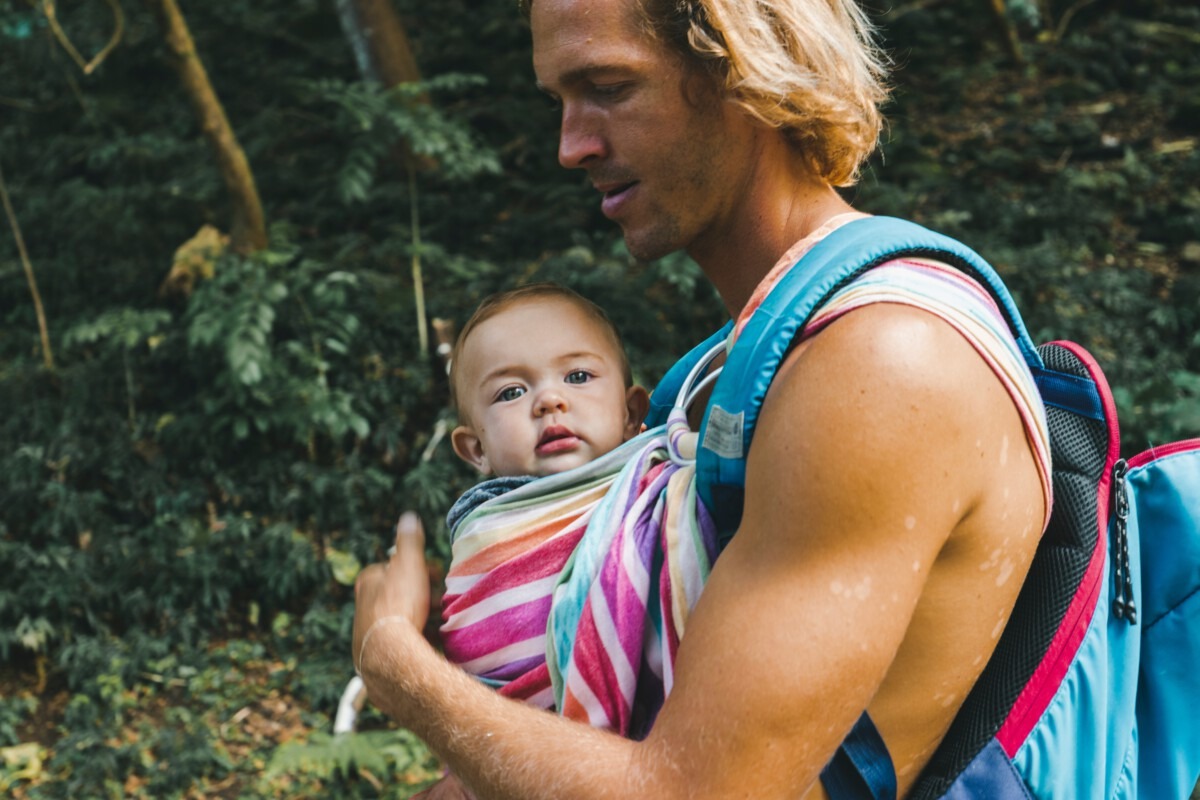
point(1093, 691)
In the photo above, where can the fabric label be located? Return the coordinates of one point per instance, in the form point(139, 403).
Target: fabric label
point(723, 435)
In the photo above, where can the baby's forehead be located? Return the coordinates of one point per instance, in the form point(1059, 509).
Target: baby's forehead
point(563, 327)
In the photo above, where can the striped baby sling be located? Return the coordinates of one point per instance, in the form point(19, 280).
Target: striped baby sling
point(1093, 691)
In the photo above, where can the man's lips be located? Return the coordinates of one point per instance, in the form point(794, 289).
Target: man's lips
point(615, 196)
point(556, 439)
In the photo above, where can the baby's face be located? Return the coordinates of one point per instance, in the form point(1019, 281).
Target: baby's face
point(542, 390)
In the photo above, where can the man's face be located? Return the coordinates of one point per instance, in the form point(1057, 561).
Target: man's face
point(669, 156)
point(543, 391)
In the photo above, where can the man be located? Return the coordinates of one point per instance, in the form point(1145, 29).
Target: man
point(878, 580)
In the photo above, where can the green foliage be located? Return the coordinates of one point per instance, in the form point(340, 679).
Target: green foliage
point(378, 120)
point(338, 759)
point(13, 712)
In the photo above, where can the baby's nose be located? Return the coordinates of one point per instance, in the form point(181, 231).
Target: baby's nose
point(550, 400)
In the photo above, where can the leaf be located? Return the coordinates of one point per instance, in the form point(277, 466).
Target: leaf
point(344, 565)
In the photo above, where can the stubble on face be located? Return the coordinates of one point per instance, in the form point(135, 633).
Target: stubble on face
point(691, 181)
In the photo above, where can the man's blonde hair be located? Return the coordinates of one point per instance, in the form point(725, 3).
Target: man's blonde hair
point(809, 68)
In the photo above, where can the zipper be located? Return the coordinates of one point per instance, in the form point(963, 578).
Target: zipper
point(1123, 603)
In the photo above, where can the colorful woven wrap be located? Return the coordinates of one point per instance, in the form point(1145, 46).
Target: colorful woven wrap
point(572, 591)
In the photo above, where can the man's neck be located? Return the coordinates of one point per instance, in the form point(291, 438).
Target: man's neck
point(782, 204)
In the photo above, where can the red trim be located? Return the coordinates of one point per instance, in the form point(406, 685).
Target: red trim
point(1146, 456)
point(1046, 679)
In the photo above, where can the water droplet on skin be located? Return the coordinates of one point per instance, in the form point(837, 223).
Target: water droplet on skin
point(910, 522)
point(836, 587)
point(1006, 570)
point(916, 566)
point(863, 590)
point(1004, 450)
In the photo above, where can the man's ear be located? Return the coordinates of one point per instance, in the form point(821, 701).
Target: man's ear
point(468, 447)
point(637, 403)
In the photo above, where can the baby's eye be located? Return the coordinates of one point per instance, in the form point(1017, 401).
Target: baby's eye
point(510, 393)
point(578, 376)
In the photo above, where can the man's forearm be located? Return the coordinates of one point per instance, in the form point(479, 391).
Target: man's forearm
point(499, 747)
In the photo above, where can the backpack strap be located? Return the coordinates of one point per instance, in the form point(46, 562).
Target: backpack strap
point(767, 338)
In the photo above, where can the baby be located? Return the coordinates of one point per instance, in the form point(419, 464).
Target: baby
point(604, 562)
point(541, 384)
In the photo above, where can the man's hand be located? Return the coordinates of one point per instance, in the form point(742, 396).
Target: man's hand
point(448, 788)
point(394, 591)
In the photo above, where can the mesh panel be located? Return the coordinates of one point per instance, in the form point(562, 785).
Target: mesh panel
point(1079, 448)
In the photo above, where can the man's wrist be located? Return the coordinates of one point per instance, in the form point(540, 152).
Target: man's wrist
point(362, 648)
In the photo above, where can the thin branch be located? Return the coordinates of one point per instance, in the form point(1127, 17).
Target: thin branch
point(118, 31)
point(917, 5)
point(1165, 30)
point(1061, 29)
point(88, 67)
point(418, 280)
point(1009, 31)
point(23, 105)
point(47, 353)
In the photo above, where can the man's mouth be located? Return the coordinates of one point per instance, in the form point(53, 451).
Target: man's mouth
point(556, 439)
point(615, 196)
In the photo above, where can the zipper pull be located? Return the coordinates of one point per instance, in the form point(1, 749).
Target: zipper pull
point(1123, 604)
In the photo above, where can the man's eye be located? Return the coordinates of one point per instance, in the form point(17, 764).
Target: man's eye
point(578, 376)
point(510, 393)
point(609, 90)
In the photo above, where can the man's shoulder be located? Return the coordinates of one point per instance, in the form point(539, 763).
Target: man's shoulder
point(882, 391)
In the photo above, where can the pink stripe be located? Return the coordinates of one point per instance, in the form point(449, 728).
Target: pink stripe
point(499, 630)
point(1037, 694)
point(542, 562)
point(528, 684)
point(590, 661)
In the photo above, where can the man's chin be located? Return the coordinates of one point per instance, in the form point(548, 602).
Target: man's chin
point(651, 245)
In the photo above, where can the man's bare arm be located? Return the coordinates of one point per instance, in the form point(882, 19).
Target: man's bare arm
point(857, 479)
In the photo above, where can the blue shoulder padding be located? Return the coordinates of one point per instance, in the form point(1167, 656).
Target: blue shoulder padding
point(663, 397)
point(839, 258)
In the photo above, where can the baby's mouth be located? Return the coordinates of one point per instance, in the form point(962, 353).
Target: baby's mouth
point(556, 439)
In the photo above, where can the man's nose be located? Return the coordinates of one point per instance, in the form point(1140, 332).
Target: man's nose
point(549, 401)
point(580, 141)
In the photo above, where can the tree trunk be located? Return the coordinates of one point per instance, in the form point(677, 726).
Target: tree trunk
point(382, 51)
point(384, 55)
point(248, 232)
point(38, 310)
point(1008, 31)
point(380, 45)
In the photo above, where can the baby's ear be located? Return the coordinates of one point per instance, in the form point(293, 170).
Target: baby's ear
point(468, 447)
point(637, 403)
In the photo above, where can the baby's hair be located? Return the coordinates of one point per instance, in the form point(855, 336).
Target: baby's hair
point(500, 301)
